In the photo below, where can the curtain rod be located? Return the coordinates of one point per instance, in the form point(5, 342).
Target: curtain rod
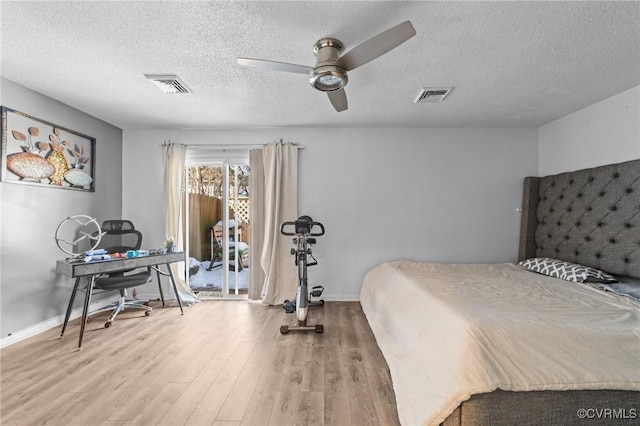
point(226, 146)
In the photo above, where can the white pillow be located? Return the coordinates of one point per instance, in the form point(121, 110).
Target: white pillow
point(566, 270)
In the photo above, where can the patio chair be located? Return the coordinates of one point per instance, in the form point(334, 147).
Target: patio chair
point(216, 238)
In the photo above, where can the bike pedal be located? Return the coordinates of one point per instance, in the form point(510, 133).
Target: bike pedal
point(317, 291)
point(289, 307)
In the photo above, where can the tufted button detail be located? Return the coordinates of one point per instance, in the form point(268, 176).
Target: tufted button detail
point(590, 216)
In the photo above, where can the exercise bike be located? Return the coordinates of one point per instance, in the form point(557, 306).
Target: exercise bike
point(304, 237)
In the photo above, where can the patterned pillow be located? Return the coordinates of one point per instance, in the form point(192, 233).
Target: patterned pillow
point(566, 270)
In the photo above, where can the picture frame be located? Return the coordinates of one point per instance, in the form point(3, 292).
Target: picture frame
point(41, 153)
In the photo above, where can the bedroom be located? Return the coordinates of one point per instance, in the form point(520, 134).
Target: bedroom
point(392, 191)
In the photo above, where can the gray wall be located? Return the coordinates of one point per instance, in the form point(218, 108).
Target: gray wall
point(603, 133)
point(433, 194)
point(30, 290)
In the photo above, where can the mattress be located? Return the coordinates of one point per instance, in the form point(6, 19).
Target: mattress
point(448, 331)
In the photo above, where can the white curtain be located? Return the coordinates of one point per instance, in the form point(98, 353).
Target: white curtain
point(256, 219)
point(173, 159)
point(274, 170)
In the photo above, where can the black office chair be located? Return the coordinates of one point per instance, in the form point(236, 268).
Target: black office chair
point(119, 237)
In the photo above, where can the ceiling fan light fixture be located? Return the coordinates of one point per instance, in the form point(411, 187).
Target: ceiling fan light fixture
point(329, 74)
point(328, 78)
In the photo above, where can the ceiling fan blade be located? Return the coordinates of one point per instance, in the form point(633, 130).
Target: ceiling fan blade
point(338, 99)
point(377, 46)
point(274, 66)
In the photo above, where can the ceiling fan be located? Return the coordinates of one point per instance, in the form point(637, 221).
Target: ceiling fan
point(330, 71)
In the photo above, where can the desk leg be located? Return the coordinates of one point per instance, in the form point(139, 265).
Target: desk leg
point(175, 288)
point(71, 299)
point(85, 311)
point(160, 286)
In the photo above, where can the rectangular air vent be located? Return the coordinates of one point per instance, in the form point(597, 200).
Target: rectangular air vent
point(169, 83)
point(432, 94)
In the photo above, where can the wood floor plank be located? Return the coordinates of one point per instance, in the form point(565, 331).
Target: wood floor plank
point(143, 386)
point(336, 400)
point(235, 405)
point(97, 400)
point(310, 410)
point(164, 400)
point(208, 407)
point(361, 405)
point(383, 395)
point(285, 408)
point(193, 395)
point(263, 395)
point(221, 363)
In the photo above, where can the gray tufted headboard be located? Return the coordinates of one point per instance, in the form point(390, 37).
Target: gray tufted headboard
point(590, 217)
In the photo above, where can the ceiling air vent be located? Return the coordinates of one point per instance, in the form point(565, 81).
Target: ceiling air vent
point(432, 94)
point(169, 83)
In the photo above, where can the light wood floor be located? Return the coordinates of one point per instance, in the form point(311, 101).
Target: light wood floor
point(222, 363)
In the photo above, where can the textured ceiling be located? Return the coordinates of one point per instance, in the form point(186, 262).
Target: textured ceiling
point(510, 63)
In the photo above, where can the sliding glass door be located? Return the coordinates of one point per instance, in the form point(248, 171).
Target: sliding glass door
point(218, 224)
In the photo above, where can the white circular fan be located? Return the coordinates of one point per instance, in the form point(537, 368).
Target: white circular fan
point(74, 230)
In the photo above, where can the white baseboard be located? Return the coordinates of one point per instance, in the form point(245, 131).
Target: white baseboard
point(341, 298)
point(52, 322)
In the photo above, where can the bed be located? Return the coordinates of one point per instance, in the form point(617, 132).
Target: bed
point(551, 339)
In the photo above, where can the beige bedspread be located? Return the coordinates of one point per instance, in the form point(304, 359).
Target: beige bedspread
point(448, 331)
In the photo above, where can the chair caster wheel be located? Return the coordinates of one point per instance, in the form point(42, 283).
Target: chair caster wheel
point(319, 328)
point(147, 313)
point(284, 329)
point(107, 324)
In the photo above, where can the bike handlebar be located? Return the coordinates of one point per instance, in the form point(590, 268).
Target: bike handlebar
point(302, 227)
